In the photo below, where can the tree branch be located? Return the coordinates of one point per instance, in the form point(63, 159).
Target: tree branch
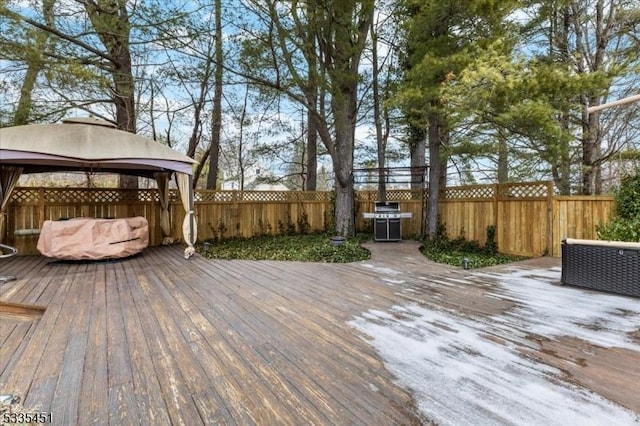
point(66, 37)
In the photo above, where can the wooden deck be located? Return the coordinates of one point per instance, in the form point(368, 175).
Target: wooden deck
point(156, 339)
point(161, 340)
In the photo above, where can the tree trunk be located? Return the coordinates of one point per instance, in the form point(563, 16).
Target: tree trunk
point(312, 153)
point(381, 141)
point(198, 172)
point(444, 168)
point(311, 181)
point(345, 223)
point(216, 116)
point(110, 19)
point(35, 64)
point(561, 178)
point(196, 130)
point(343, 167)
point(417, 148)
point(593, 49)
point(212, 175)
point(503, 159)
point(382, 176)
point(124, 99)
point(124, 94)
point(561, 169)
point(345, 220)
point(346, 51)
point(23, 109)
point(344, 108)
point(434, 173)
point(590, 151)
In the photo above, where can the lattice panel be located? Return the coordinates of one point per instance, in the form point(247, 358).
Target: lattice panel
point(67, 195)
point(217, 196)
point(535, 190)
point(214, 196)
point(392, 195)
point(313, 196)
point(367, 195)
point(260, 196)
point(25, 195)
point(82, 195)
point(466, 192)
point(174, 195)
point(264, 196)
point(120, 196)
point(148, 195)
point(396, 195)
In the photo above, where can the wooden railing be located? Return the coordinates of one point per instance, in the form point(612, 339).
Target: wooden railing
point(530, 220)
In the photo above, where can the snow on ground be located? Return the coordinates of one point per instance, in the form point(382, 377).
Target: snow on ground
point(461, 377)
point(381, 269)
point(546, 309)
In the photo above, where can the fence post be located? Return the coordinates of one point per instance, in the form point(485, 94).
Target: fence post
point(495, 211)
point(550, 219)
point(41, 207)
point(151, 219)
point(235, 212)
point(423, 212)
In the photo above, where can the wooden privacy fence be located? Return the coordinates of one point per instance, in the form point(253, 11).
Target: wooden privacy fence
point(220, 214)
point(529, 219)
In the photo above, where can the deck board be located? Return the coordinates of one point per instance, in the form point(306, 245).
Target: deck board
point(157, 339)
point(13, 337)
point(94, 405)
point(150, 404)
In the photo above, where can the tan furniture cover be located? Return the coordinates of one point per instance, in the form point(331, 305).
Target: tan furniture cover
point(90, 239)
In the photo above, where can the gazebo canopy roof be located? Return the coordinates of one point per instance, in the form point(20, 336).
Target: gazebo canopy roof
point(87, 144)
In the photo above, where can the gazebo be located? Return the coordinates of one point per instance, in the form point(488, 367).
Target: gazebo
point(95, 145)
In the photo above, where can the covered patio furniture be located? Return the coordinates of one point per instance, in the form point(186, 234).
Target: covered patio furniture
point(92, 239)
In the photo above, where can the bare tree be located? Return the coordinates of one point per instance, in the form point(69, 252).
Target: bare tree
point(595, 40)
point(281, 48)
point(216, 116)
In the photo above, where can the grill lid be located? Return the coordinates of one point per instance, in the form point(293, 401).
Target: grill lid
point(387, 206)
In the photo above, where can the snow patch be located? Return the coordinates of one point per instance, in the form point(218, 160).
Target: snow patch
point(392, 282)
point(459, 376)
point(381, 269)
point(550, 309)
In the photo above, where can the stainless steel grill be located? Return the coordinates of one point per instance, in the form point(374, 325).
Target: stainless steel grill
point(387, 225)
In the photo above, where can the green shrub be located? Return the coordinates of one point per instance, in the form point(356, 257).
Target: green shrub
point(306, 248)
point(291, 227)
point(442, 249)
point(476, 259)
point(628, 197)
point(625, 225)
point(304, 227)
point(621, 230)
point(491, 247)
